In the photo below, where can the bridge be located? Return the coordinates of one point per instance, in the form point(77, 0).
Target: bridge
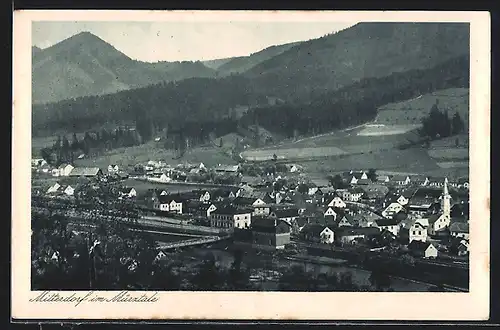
point(190, 242)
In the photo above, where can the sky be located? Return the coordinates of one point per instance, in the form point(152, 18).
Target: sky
point(184, 41)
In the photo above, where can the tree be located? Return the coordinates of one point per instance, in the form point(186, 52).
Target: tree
point(302, 188)
point(75, 144)
point(380, 279)
point(457, 124)
point(407, 260)
point(336, 181)
point(372, 174)
point(209, 276)
point(106, 256)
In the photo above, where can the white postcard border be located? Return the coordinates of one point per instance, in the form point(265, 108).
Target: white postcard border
point(269, 305)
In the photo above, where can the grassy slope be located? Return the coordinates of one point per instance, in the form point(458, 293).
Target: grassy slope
point(412, 111)
point(128, 157)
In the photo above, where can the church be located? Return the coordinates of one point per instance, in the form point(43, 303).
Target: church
point(439, 223)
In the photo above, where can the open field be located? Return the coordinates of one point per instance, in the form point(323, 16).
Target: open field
point(455, 164)
point(449, 153)
point(456, 141)
point(412, 160)
point(130, 156)
point(291, 153)
point(338, 143)
point(412, 111)
point(382, 129)
point(142, 186)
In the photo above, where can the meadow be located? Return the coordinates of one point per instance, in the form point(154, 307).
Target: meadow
point(127, 157)
point(384, 130)
point(291, 153)
point(414, 160)
point(411, 112)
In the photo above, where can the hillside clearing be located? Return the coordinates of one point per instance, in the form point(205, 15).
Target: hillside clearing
point(382, 130)
point(130, 156)
point(412, 111)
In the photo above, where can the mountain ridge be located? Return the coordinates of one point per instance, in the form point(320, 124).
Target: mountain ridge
point(84, 64)
point(373, 49)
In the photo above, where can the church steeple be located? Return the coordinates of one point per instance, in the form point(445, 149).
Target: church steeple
point(446, 199)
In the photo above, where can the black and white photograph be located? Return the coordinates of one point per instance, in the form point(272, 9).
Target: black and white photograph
point(246, 156)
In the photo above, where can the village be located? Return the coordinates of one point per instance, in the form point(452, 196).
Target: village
point(276, 207)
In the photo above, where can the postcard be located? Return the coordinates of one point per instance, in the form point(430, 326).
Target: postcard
point(243, 165)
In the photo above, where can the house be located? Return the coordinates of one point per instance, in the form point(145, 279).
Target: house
point(330, 213)
point(128, 192)
point(374, 192)
point(419, 180)
point(383, 239)
point(312, 190)
point(402, 200)
point(231, 169)
point(294, 168)
point(68, 190)
point(459, 229)
point(436, 182)
point(459, 246)
point(54, 188)
point(463, 183)
point(225, 193)
point(345, 220)
point(170, 203)
point(337, 202)
point(113, 168)
point(383, 179)
point(268, 233)
point(420, 206)
point(231, 217)
point(199, 208)
point(318, 233)
point(391, 225)
point(89, 172)
point(422, 249)
point(401, 180)
point(204, 195)
point(363, 182)
point(260, 206)
point(286, 214)
point(163, 177)
point(355, 194)
point(57, 189)
point(412, 230)
point(63, 170)
point(367, 219)
point(359, 174)
point(349, 235)
point(251, 181)
point(38, 162)
point(392, 209)
point(265, 234)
